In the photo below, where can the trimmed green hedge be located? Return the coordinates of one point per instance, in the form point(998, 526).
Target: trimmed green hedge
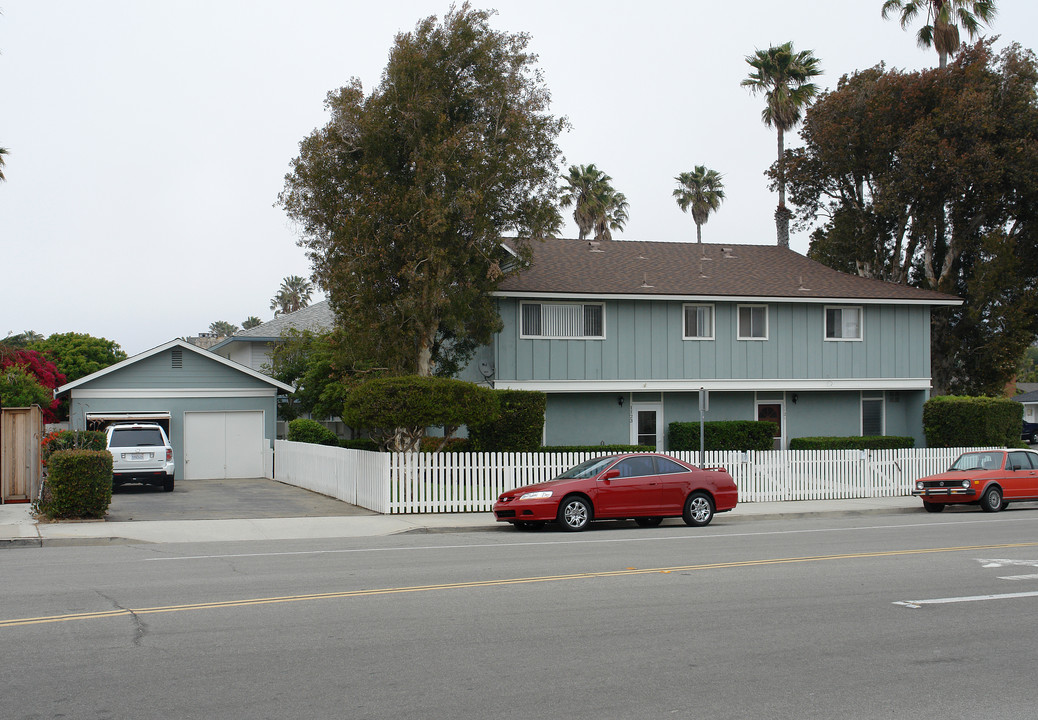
point(79, 484)
point(867, 442)
point(72, 440)
point(518, 427)
point(957, 421)
point(399, 409)
point(723, 435)
point(310, 431)
point(596, 448)
point(360, 444)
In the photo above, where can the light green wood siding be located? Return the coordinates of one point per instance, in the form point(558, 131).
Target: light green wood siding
point(644, 342)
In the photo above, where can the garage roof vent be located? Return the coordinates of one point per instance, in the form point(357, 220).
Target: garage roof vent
point(178, 358)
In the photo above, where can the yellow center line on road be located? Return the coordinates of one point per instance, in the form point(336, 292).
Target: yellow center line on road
point(122, 612)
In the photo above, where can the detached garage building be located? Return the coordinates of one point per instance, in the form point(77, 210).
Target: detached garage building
point(220, 416)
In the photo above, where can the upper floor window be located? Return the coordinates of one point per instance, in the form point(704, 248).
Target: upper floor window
point(699, 322)
point(843, 323)
point(562, 320)
point(753, 322)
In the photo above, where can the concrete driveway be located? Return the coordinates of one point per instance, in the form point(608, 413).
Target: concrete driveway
point(224, 500)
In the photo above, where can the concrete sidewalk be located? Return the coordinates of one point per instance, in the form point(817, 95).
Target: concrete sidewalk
point(19, 529)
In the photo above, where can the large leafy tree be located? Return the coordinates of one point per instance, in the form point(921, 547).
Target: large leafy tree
point(77, 355)
point(943, 20)
point(784, 76)
point(597, 207)
point(294, 294)
point(403, 197)
point(321, 368)
point(700, 192)
point(931, 179)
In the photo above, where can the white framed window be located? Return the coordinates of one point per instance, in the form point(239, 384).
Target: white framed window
point(571, 321)
point(843, 323)
point(873, 413)
point(753, 322)
point(699, 322)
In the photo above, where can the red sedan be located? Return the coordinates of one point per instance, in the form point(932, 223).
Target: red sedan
point(989, 478)
point(647, 487)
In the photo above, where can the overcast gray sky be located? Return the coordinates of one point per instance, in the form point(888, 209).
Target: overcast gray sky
point(148, 141)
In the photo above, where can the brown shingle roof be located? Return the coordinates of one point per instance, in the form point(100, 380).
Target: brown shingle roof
point(624, 267)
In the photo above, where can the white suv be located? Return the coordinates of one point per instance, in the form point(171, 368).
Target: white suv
point(141, 453)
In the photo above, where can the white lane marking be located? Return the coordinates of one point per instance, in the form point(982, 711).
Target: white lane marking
point(916, 604)
point(699, 535)
point(1019, 577)
point(1006, 563)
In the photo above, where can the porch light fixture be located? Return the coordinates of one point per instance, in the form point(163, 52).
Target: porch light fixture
point(620, 400)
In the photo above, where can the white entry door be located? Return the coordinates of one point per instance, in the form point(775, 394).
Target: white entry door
point(647, 424)
point(223, 445)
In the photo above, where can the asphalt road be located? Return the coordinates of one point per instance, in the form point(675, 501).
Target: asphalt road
point(899, 616)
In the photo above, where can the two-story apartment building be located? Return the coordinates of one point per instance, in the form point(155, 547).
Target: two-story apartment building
point(622, 336)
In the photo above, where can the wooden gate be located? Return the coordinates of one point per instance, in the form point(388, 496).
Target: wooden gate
point(21, 430)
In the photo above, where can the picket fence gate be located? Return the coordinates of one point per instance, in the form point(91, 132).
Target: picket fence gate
point(392, 483)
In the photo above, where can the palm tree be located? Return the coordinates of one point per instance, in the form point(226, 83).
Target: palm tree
point(943, 19)
point(3, 151)
point(784, 76)
point(250, 322)
point(614, 215)
point(293, 295)
point(597, 206)
point(222, 328)
point(700, 191)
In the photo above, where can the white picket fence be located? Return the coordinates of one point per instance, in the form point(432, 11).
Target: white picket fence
point(470, 482)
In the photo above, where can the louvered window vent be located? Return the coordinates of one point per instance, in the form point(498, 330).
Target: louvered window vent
point(178, 359)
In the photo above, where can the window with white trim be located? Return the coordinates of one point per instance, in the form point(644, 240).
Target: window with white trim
point(872, 414)
point(753, 322)
point(562, 320)
point(842, 323)
point(699, 322)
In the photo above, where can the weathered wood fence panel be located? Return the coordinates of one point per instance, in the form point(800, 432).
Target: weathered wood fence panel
point(21, 430)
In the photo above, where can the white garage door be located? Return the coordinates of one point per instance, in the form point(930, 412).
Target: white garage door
point(223, 445)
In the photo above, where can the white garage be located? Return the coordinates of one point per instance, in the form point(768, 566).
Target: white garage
point(220, 416)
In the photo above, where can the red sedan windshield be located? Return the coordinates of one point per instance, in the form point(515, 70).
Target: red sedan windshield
point(587, 469)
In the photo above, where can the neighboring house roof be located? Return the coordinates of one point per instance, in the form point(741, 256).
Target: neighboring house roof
point(1026, 387)
point(318, 316)
point(162, 348)
point(696, 271)
point(1031, 397)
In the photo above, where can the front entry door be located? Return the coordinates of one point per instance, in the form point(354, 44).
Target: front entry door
point(772, 412)
point(647, 424)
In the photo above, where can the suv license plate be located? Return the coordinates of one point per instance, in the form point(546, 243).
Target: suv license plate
point(137, 456)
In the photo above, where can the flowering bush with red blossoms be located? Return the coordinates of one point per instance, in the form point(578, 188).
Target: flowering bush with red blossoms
point(37, 365)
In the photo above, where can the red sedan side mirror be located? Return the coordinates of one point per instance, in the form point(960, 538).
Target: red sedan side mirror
point(610, 474)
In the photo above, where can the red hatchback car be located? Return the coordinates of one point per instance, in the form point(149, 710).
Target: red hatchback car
point(989, 478)
point(647, 487)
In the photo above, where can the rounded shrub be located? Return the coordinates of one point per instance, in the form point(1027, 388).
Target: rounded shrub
point(310, 431)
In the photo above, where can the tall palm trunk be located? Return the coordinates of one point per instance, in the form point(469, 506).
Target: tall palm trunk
point(782, 214)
